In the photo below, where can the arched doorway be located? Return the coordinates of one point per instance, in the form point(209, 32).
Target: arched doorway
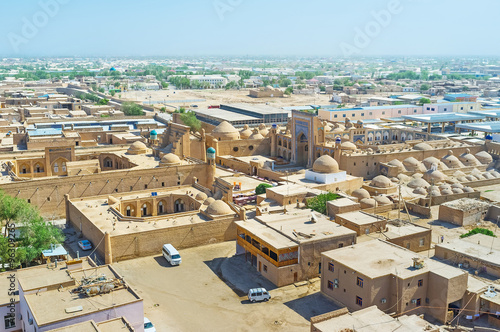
point(161, 207)
point(302, 149)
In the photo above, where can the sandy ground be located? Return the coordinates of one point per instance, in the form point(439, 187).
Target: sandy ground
point(217, 97)
point(207, 292)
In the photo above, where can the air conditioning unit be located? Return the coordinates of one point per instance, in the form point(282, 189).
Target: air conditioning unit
point(383, 300)
point(414, 301)
point(336, 281)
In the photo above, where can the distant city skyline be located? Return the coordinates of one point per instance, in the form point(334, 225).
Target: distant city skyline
point(249, 28)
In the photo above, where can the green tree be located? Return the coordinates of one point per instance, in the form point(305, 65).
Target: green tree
point(112, 93)
point(117, 84)
point(318, 203)
point(38, 235)
point(261, 188)
point(425, 87)
point(465, 88)
point(164, 85)
point(93, 86)
point(424, 101)
point(101, 90)
point(163, 109)
point(289, 90)
point(103, 101)
point(131, 108)
point(190, 120)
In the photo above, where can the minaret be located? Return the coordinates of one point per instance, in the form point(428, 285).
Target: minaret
point(337, 152)
point(212, 166)
point(273, 133)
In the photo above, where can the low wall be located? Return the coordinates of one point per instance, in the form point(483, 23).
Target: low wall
point(150, 243)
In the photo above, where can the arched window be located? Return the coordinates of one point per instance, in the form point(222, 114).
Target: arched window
point(160, 207)
point(64, 167)
point(179, 205)
point(56, 168)
point(23, 170)
point(144, 210)
point(128, 211)
point(108, 162)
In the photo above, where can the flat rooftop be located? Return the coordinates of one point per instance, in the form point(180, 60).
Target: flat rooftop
point(256, 108)
point(466, 204)
point(404, 230)
point(292, 189)
point(373, 108)
point(478, 246)
point(372, 319)
point(299, 221)
point(379, 258)
point(97, 210)
point(443, 117)
point(342, 202)
point(360, 217)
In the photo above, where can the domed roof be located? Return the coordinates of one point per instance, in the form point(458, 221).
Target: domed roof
point(225, 130)
point(457, 190)
point(381, 181)
point(452, 161)
point(468, 190)
point(201, 196)
point(422, 147)
point(412, 164)
point(457, 185)
point(489, 137)
point(170, 159)
point(382, 200)
point(256, 134)
point(326, 164)
point(418, 183)
point(469, 159)
point(360, 193)
point(429, 161)
point(137, 148)
point(484, 157)
point(397, 163)
point(436, 176)
point(209, 201)
point(420, 191)
point(211, 150)
point(445, 192)
point(153, 132)
point(368, 203)
point(219, 208)
point(348, 146)
point(245, 132)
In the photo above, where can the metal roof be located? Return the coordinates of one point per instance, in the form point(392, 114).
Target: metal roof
point(443, 117)
point(488, 127)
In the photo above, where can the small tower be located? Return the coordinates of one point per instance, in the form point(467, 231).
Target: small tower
point(153, 138)
point(212, 166)
point(273, 134)
point(337, 152)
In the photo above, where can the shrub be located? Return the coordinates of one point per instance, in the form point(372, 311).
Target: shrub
point(478, 231)
point(318, 203)
point(261, 188)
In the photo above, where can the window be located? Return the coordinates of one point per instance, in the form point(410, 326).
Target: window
point(250, 147)
point(420, 282)
point(64, 167)
point(331, 267)
point(445, 109)
point(335, 116)
point(414, 111)
point(145, 186)
point(343, 115)
point(362, 114)
point(359, 301)
point(353, 115)
point(330, 284)
point(56, 168)
point(359, 282)
point(383, 113)
point(341, 245)
point(419, 301)
point(461, 108)
point(10, 321)
point(428, 108)
point(421, 242)
point(163, 184)
point(371, 113)
point(399, 112)
point(265, 268)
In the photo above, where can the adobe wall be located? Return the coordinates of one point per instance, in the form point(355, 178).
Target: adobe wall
point(48, 194)
point(150, 242)
point(412, 241)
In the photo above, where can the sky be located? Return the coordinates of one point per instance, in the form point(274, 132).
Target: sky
point(249, 28)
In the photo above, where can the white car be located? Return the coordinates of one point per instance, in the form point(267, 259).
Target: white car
point(258, 294)
point(148, 326)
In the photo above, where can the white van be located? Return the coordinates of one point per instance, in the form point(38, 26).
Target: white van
point(258, 294)
point(171, 254)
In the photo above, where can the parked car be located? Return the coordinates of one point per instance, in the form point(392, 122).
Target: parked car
point(85, 244)
point(258, 294)
point(148, 326)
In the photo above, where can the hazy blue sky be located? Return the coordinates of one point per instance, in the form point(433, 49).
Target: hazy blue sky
point(249, 27)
